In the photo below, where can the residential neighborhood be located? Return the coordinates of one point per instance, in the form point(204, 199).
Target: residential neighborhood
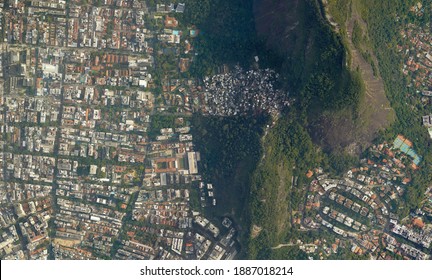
point(417, 53)
point(91, 168)
point(361, 208)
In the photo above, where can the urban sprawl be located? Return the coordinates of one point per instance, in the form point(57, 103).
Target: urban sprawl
point(98, 160)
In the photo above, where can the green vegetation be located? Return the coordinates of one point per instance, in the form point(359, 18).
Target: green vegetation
point(339, 10)
point(109, 30)
point(161, 121)
point(362, 44)
point(313, 64)
point(288, 152)
point(287, 253)
point(225, 141)
point(333, 93)
point(167, 63)
point(227, 33)
point(339, 162)
point(230, 149)
point(357, 35)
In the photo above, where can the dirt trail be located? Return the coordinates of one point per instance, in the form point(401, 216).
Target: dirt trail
point(283, 245)
point(290, 245)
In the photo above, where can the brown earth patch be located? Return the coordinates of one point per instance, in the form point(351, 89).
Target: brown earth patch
point(375, 112)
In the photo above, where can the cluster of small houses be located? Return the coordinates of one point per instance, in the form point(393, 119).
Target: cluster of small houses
point(417, 53)
point(239, 92)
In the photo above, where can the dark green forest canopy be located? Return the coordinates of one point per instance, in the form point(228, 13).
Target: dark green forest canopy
point(227, 33)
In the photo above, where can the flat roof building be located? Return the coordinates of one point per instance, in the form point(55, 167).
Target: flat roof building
point(193, 158)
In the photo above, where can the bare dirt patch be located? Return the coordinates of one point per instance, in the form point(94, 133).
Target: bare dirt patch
point(375, 112)
point(255, 231)
point(65, 242)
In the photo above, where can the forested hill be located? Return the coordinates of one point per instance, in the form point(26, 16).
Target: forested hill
point(323, 125)
point(227, 33)
point(300, 44)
